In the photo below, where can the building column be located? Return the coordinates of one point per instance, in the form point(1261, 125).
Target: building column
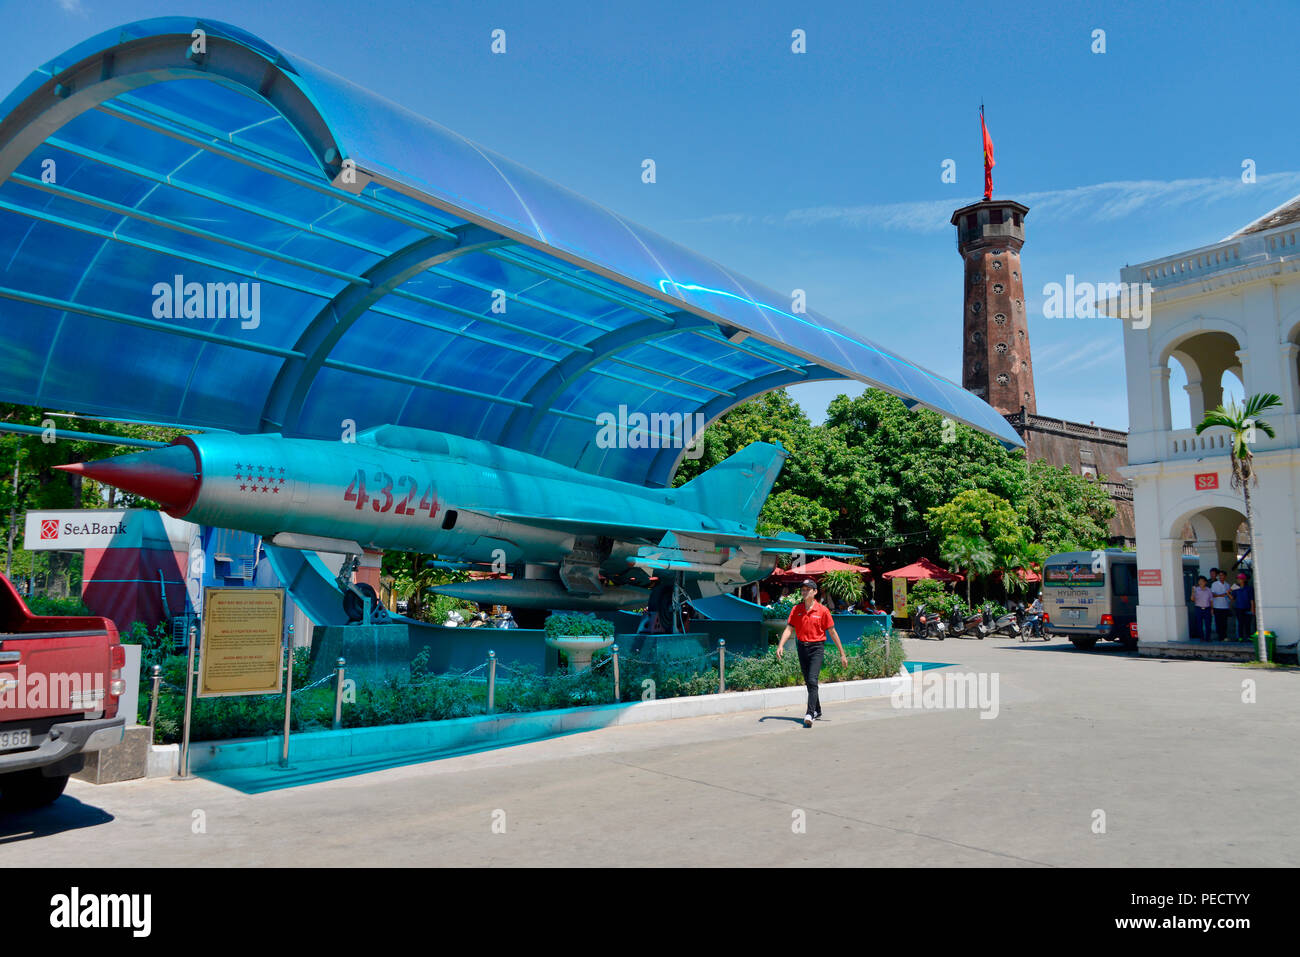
point(1161, 612)
point(1195, 401)
point(1291, 380)
point(1243, 362)
point(1160, 398)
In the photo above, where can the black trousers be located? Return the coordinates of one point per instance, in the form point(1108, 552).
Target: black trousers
point(1244, 623)
point(1221, 616)
point(810, 663)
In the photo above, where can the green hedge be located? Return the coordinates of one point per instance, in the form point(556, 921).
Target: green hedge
point(431, 698)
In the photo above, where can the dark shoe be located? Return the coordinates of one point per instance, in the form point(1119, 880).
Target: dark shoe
point(817, 716)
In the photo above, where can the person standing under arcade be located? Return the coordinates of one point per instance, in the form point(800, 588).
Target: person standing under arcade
point(811, 623)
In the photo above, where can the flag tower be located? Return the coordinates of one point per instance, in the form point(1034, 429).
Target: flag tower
point(996, 364)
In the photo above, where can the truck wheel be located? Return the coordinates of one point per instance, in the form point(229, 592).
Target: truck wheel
point(25, 790)
point(1084, 644)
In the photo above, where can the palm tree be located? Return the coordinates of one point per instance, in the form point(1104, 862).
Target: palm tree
point(1029, 556)
point(1241, 422)
point(971, 555)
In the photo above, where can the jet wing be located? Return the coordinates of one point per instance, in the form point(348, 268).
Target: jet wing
point(654, 534)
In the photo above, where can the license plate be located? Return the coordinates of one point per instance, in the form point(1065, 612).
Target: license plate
point(1075, 614)
point(9, 740)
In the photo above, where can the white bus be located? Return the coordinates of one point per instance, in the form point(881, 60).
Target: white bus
point(1094, 595)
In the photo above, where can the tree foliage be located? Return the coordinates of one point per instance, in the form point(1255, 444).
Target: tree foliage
point(1065, 512)
point(872, 471)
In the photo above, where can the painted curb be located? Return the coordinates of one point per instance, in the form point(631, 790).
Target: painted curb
point(501, 729)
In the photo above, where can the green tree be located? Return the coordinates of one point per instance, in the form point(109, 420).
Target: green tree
point(978, 531)
point(791, 512)
point(1242, 421)
point(973, 556)
point(1066, 512)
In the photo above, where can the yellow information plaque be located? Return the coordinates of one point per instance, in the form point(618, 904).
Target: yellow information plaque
point(900, 597)
point(242, 649)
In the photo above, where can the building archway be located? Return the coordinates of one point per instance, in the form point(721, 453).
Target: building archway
point(1216, 535)
point(1208, 368)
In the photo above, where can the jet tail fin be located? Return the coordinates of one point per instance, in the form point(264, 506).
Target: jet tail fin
point(736, 488)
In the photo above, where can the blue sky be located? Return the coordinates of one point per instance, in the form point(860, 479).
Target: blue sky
point(821, 170)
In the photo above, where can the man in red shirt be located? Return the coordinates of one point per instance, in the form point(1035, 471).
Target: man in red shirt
point(811, 623)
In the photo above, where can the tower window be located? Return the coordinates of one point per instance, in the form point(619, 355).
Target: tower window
point(1000, 318)
point(997, 287)
point(976, 337)
point(1019, 306)
point(975, 306)
point(1024, 366)
point(995, 217)
point(1001, 348)
point(1002, 378)
point(997, 264)
point(1026, 396)
point(1020, 334)
point(1015, 218)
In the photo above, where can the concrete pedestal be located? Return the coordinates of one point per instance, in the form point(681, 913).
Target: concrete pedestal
point(122, 762)
point(372, 652)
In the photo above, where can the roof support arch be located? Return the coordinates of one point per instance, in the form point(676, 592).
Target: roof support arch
point(664, 465)
point(155, 59)
point(284, 400)
point(525, 420)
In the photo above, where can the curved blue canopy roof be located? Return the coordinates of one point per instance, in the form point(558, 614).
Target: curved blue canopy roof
point(391, 271)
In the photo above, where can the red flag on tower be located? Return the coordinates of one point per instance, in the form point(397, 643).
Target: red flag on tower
point(988, 157)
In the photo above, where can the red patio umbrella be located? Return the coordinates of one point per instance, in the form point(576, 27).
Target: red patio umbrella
point(924, 568)
point(816, 569)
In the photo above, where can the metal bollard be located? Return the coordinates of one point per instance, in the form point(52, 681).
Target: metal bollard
point(722, 665)
point(288, 697)
point(156, 671)
point(338, 693)
point(614, 651)
point(492, 681)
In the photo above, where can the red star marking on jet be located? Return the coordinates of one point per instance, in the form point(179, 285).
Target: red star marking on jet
point(243, 488)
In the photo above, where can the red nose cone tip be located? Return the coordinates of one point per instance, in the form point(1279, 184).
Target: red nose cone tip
point(169, 476)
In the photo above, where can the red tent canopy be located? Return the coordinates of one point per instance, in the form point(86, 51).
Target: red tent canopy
point(816, 569)
point(1025, 575)
point(924, 568)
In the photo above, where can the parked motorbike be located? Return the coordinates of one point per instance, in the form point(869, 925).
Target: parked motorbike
point(970, 626)
point(928, 624)
point(1004, 626)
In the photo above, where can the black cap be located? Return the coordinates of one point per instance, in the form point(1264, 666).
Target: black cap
point(809, 583)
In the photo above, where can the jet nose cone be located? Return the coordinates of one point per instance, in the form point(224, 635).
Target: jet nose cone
point(169, 476)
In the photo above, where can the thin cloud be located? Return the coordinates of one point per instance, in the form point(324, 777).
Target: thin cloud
point(1099, 202)
point(71, 6)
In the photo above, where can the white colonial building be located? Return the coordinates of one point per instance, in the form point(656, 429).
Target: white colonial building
point(1224, 311)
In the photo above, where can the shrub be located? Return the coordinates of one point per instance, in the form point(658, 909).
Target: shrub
point(49, 605)
point(781, 608)
point(578, 626)
point(844, 586)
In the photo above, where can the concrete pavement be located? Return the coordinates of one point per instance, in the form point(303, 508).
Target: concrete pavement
point(1184, 772)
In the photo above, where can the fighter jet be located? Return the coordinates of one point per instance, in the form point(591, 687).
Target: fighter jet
point(570, 539)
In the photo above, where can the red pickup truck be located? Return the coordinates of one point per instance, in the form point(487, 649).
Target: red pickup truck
point(60, 679)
